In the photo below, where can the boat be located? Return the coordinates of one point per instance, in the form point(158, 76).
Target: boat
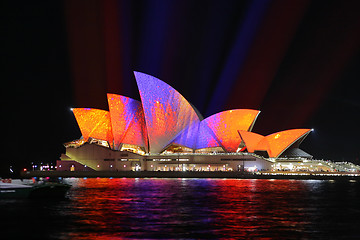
point(32, 189)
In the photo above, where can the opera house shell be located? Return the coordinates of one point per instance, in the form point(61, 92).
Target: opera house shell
point(164, 132)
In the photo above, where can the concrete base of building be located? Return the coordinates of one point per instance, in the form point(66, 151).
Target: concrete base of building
point(190, 174)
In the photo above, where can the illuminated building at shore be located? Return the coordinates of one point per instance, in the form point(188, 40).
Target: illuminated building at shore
point(165, 132)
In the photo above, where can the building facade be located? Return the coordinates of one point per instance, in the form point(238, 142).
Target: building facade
point(164, 132)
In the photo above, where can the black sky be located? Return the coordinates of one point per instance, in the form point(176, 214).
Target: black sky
point(37, 88)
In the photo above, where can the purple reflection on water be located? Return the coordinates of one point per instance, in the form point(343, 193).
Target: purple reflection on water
point(195, 208)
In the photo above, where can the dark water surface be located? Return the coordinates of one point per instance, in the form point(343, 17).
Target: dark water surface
point(189, 209)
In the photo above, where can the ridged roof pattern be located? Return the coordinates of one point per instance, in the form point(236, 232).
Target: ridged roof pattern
point(127, 121)
point(275, 144)
point(167, 112)
point(94, 123)
point(165, 117)
point(224, 126)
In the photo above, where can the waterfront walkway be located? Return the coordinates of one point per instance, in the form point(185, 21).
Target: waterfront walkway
point(189, 174)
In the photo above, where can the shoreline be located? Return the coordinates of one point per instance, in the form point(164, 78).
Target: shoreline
point(163, 174)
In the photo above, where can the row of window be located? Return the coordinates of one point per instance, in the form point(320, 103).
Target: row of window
point(120, 159)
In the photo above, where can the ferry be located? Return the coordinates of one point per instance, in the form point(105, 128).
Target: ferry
point(30, 188)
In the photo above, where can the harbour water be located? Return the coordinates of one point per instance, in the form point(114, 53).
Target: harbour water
point(128, 208)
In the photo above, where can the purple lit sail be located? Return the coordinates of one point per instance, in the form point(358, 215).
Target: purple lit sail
point(167, 112)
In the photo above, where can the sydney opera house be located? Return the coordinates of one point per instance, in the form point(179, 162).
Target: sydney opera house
point(164, 132)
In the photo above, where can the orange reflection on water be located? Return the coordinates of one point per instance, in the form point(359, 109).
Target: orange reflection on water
point(100, 210)
point(253, 208)
point(188, 208)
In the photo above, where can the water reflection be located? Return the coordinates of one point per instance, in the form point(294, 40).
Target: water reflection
point(194, 208)
point(191, 209)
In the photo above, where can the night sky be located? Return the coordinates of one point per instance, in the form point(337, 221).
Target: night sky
point(297, 61)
